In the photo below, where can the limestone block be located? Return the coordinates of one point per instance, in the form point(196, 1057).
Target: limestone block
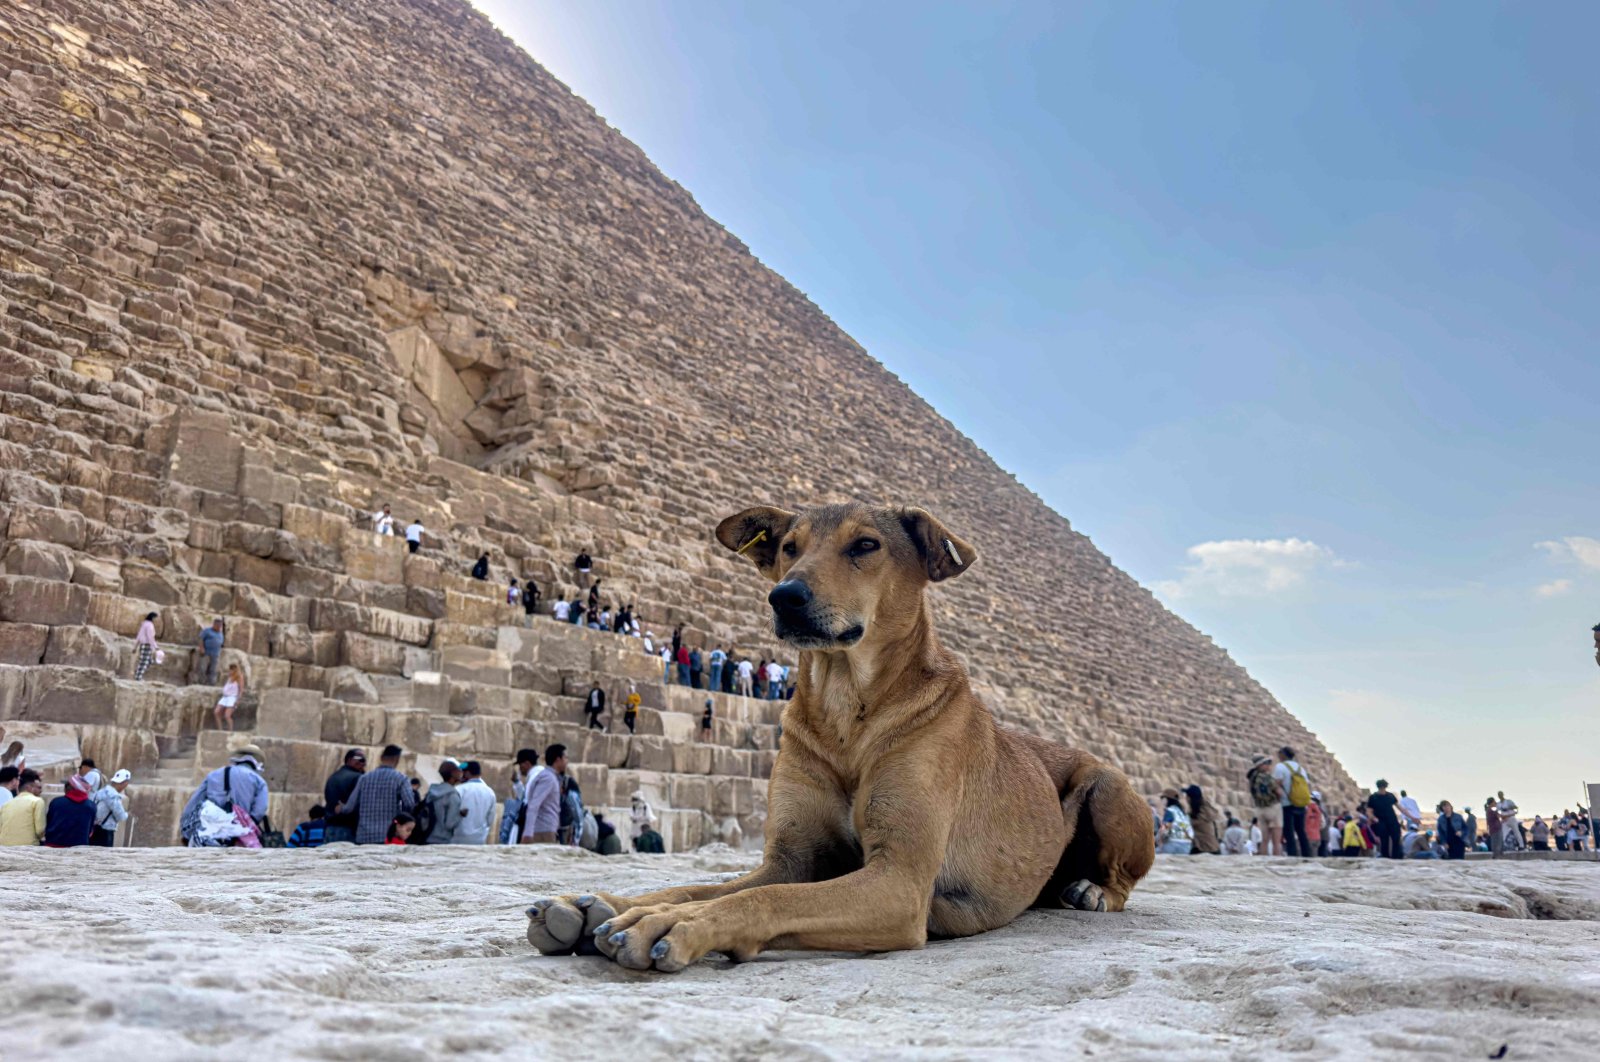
point(519, 644)
point(118, 614)
point(48, 601)
point(446, 633)
point(650, 754)
point(432, 691)
point(353, 724)
point(267, 574)
point(303, 581)
point(154, 813)
point(469, 663)
point(409, 728)
point(689, 791)
point(563, 648)
point(261, 483)
point(371, 654)
point(626, 660)
point(591, 777)
point(731, 796)
point(476, 611)
point(40, 560)
point(23, 643)
point(83, 647)
point(691, 759)
point(115, 748)
point(152, 584)
point(376, 558)
point(674, 726)
point(70, 695)
point(350, 685)
point(64, 527)
point(96, 573)
point(491, 736)
point(421, 572)
point(201, 449)
point(290, 713)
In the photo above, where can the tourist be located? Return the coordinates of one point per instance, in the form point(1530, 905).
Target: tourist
point(236, 786)
point(230, 697)
point(480, 568)
point(416, 791)
point(1176, 836)
point(1234, 840)
point(696, 668)
point(594, 595)
point(513, 595)
point(378, 795)
point(1469, 829)
point(1206, 836)
point(1491, 822)
point(91, 775)
point(774, 680)
point(211, 641)
point(70, 818)
point(677, 640)
point(705, 722)
point(1386, 823)
point(443, 802)
point(383, 521)
point(1511, 834)
point(1315, 832)
point(414, 536)
point(729, 673)
point(10, 782)
point(681, 654)
point(1573, 841)
point(24, 816)
point(512, 816)
point(1540, 834)
point(336, 795)
point(577, 611)
point(530, 600)
point(746, 673)
point(583, 563)
point(477, 806)
point(109, 810)
point(1296, 786)
point(642, 817)
point(650, 842)
point(542, 814)
point(630, 712)
point(569, 819)
point(1355, 843)
point(1410, 810)
point(313, 832)
point(561, 610)
point(1452, 831)
point(400, 829)
point(1268, 801)
point(145, 643)
point(598, 620)
point(718, 658)
point(1418, 844)
point(593, 705)
point(666, 664)
point(609, 842)
point(1257, 842)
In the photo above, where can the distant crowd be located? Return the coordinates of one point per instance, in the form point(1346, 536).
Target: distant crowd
point(1288, 817)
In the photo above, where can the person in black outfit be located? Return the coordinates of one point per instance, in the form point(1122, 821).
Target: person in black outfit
point(1452, 831)
point(341, 824)
point(530, 597)
point(583, 563)
point(480, 570)
point(594, 595)
point(594, 706)
point(1385, 823)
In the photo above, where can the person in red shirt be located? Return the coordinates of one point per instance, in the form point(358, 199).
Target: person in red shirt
point(683, 665)
point(400, 829)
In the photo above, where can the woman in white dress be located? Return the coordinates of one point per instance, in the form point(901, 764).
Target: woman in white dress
point(231, 691)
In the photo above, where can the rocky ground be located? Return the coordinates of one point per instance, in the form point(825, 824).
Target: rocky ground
point(351, 953)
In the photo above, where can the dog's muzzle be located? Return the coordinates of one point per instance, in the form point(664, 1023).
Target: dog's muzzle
point(795, 619)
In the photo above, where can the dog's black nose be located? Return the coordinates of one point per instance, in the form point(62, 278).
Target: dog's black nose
point(789, 597)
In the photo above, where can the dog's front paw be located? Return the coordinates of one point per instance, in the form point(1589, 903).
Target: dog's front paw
point(561, 924)
point(665, 937)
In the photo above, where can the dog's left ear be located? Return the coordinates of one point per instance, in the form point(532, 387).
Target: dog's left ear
point(945, 555)
point(756, 533)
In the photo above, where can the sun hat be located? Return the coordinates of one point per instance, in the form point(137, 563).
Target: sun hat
point(249, 752)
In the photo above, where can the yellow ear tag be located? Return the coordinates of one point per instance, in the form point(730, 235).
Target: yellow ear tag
point(760, 537)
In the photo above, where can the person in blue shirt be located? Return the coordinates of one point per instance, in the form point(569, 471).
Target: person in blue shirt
point(309, 834)
point(718, 658)
point(70, 817)
point(211, 639)
point(240, 783)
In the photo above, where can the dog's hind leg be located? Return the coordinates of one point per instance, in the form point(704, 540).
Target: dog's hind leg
point(1110, 843)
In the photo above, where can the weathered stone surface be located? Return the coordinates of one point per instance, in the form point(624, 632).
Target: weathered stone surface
point(290, 713)
point(23, 643)
point(83, 647)
point(27, 600)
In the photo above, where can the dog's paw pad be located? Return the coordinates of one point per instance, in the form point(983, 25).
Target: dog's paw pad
point(1084, 896)
point(554, 926)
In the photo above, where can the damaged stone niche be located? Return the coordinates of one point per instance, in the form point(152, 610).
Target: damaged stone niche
point(466, 399)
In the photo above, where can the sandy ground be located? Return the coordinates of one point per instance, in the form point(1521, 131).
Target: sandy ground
point(351, 953)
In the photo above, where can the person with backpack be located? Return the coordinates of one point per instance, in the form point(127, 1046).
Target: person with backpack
point(440, 811)
point(1176, 836)
point(1265, 796)
point(1296, 787)
point(109, 810)
point(378, 796)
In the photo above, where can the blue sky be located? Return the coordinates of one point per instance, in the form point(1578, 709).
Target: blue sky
point(1291, 308)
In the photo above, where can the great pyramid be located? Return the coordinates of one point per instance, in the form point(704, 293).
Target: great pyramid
point(265, 266)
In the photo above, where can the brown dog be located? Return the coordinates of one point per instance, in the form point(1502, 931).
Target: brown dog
point(898, 808)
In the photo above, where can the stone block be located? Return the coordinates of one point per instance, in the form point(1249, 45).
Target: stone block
point(152, 584)
point(349, 685)
point(83, 647)
point(691, 759)
point(40, 560)
point(469, 663)
point(64, 527)
point(410, 728)
point(23, 643)
point(564, 648)
point(47, 601)
point(353, 724)
point(267, 574)
point(674, 726)
point(201, 449)
point(70, 695)
point(96, 573)
point(315, 525)
point(376, 558)
point(115, 748)
point(649, 754)
point(290, 713)
point(262, 483)
point(491, 736)
point(371, 654)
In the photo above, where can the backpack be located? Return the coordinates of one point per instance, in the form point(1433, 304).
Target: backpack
point(1263, 793)
point(649, 841)
point(589, 836)
point(1299, 787)
point(427, 818)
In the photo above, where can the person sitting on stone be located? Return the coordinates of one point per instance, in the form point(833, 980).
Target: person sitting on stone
point(610, 843)
point(480, 568)
point(650, 842)
point(313, 832)
point(1234, 840)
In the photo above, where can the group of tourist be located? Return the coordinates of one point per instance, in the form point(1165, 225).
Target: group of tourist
point(88, 811)
point(1289, 818)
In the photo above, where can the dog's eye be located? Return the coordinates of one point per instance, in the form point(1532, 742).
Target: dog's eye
point(789, 549)
point(863, 546)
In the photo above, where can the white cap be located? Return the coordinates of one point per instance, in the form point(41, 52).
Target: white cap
point(120, 776)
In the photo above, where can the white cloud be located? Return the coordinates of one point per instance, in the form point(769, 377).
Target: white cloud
point(1554, 588)
point(1585, 552)
point(1248, 567)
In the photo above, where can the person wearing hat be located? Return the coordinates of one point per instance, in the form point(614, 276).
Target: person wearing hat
point(237, 785)
point(1266, 797)
point(71, 816)
point(109, 812)
point(1176, 836)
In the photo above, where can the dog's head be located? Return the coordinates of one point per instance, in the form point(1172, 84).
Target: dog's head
point(844, 571)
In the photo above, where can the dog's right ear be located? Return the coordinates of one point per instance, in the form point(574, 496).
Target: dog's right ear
point(756, 534)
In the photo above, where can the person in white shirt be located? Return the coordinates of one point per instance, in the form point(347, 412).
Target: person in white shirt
point(383, 521)
point(477, 806)
point(561, 610)
point(642, 814)
point(10, 780)
point(746, 670)
point(1255, 837)
point(774, 680)
point(1234, 840)
point(1411, 811)
point(414, 535)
